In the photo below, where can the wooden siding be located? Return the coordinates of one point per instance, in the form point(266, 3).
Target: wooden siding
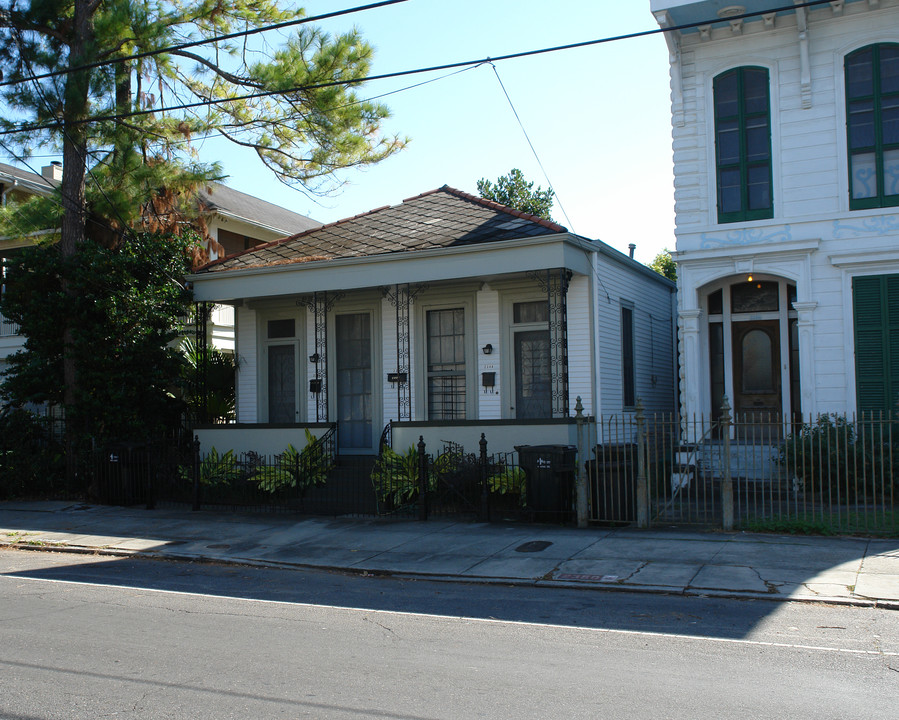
point(247, 372)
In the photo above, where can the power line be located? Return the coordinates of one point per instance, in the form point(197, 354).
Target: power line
point(209, 102)
point(197, 43)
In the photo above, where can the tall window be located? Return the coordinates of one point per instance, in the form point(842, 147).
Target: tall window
point(446, 364)
point(533, 357)
point(872, 124)
point(743, 145)
point(628, 372)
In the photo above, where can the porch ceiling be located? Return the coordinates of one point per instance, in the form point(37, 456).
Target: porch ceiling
point(471, 262)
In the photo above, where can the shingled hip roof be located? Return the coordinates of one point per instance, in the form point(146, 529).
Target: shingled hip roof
point(442, 218)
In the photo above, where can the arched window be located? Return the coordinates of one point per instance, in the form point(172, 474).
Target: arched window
point(872, 125)
point(743, 144)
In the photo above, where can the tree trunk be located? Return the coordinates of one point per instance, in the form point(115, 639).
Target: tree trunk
point(74, 159)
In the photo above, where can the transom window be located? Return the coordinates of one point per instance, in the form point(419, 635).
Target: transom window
point(743, 144)
point(872, 125)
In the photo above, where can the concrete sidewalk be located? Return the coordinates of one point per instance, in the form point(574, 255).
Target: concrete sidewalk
point(859, 571)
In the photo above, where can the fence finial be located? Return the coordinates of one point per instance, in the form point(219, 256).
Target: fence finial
point(578, 408)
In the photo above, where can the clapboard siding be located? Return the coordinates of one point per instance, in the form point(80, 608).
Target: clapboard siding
point(247, 371)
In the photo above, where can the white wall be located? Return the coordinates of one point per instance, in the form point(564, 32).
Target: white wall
point(813, 238)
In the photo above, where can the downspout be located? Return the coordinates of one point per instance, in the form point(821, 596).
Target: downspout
point(7, 189)
point(597, 365)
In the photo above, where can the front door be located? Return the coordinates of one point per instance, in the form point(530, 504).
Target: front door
point(756, 353)
point(533, 376)
point(354, 382)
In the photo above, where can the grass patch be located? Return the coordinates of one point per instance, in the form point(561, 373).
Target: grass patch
point(880, 523)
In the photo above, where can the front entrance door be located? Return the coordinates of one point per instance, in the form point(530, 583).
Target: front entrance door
point(354, 382)
point(533, 379)
point(757, 385)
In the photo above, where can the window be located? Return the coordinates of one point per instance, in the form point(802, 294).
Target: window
point(628, 374)
point(876, 309)
point(446, 364)
point(872, 125)
point(743, 145)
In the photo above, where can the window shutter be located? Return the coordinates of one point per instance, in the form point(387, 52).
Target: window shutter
point(876, 317)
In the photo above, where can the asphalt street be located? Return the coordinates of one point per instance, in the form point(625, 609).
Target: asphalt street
point(89, 636)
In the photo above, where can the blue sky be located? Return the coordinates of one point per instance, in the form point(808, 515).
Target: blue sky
point(598, 117)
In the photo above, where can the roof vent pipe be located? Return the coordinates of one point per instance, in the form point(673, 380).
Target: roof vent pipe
point(632, 247)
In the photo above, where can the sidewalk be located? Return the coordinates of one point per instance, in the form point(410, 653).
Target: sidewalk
point(838, 570)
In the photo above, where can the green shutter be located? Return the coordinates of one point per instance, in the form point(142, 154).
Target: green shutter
point(876, 316)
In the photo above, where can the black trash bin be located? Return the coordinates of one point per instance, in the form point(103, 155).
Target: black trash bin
point(550, 471)
point(613, 475)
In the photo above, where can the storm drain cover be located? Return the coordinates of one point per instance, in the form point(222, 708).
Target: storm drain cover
point(533, 546)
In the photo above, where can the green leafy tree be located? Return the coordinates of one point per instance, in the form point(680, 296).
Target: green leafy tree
point(514, 191)
point(664, 265)
point(124, 307)
point(112, 86)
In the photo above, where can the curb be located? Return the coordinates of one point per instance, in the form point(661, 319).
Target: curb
point(479, 580)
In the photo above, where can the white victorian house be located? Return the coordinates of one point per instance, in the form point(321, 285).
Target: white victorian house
point(447, 315)
point(786, 160)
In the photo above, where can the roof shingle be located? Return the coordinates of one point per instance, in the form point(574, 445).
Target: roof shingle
point(441, 218)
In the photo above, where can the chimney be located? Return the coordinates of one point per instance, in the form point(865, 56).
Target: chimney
point(53, 171)
point(632, 247)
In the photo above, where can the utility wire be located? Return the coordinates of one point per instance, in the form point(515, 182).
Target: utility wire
point(208, 102)
point(206, 41)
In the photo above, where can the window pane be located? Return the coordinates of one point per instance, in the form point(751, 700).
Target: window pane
point(281, 329)
point(860, 74)
point(529, 312)
point(758, 143)
point(729, 191)
point(889, 117)
point(758, 370)
point(726, 95)
point(889, 68)
point(728, 143)
point(863, 176)
point(891, 172)
point(754, 297)
point(715, 303)
point(755, 91)
point(627, 357)
point(533, 377)
point(861, 125)
point(759, 187)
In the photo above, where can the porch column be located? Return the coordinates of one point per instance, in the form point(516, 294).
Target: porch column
point(401, 296)
point(691, 365)
point(806, 326)
point(320, 304)
point(554, 283)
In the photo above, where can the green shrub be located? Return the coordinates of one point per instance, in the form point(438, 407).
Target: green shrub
point(297, 469)
point(843, 460)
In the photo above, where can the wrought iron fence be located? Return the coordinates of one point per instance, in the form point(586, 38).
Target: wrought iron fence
point(823, 474)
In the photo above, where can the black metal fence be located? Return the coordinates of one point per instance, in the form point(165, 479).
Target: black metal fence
point(827, 474)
